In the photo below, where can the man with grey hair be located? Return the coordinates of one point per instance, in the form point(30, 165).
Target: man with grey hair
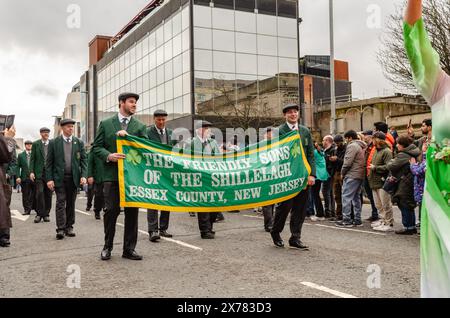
point(327, 186)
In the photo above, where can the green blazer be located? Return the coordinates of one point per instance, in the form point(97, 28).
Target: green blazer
point(307, 143)
point(55, 161)
point(153, 135)
point(23, 169)
point(95, 167)
point(37, 162)
point(105, 143)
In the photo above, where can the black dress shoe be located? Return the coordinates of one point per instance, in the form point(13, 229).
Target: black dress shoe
point(208, 236)
point(268, 229)
point(154, 237)
point(26, 213)
point(59, 235)
point(88, 209)
point(97, 216)
point(298, 245)
point(5, 243)
point(46, 219)
point(106, 254)
point(406, 232)
point(277, 240)
point(220, 218)
point(165, 234)
point(132, 255)
point(37, 219)
point(70, 233)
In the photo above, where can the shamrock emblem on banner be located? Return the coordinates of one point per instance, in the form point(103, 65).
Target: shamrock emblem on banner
point(134, 158)
point(295, 151)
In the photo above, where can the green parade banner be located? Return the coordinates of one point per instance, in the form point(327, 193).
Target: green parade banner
point(160, 177)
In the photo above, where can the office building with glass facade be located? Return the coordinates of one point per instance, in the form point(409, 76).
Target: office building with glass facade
point(198, 58)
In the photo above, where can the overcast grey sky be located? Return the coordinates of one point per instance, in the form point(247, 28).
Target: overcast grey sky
point(41, 58)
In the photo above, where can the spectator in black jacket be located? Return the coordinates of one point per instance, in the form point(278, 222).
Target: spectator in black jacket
point(327, 186)
point(338, 161)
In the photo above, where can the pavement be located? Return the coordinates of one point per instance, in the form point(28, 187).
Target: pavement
point(241, 262)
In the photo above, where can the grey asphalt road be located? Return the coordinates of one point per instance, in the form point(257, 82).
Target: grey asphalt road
point(240, 262)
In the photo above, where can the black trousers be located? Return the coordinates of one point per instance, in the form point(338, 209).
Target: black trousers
point(5, 232)
point(90, 195)
point(157, 222)
point(112, 206)
point(65, 204)
point(43, 198)
point(316, 198)
point(99, 202)
point(369, 194)
point(268, 216)
point(206, 221)
point(327, 192)
point(297, 207)
point(27, 195)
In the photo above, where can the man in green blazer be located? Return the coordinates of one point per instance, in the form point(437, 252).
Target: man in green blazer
point(66, 170)
point(95, 182)
point(297, 205)
point(23, 178)
point(105, 148)
point(158, 225)
point(39, 152)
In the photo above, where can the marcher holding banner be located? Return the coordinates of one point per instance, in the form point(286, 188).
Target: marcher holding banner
point(105, 148)
point(296, 205)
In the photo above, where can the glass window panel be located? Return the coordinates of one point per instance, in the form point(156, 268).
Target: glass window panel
point(266, 24)
point(178, 107)
point(186, 83)
point(287, 8)
point(152, 97)
point(132, 55)
point(117, 81)
point(132, 72)
point(160, 55)
point(177, 45)
point(168, 106)
point(267, 45)
point(178, 86)
point(267, 7)
point(288, 65)
point(122, 79)
point(223, 19)
point(168, 70)
point(152, 42)
point(224, 62)
point(146, 82)
point(176, 24)
point(245, 5)
point(168, 30)
point(160, 75)
point(202, 38)
point(185, 18)
point(287, 27)
point(245, 22)
point(133, 86)
point(139, 68)
point(223, 40)
point(160, 94)
point(145, 64)
point(204, 86)
point(145, 46)
point(139, 85)
point(287, 47)
point(127, 75)
point(186, 40)
point(187, 107)
point(202, 16)
point(169, 90)
point(177, 66)
point(127, 59)
point(202, 2)
point(139, 51)
point(121, 60)
point(245, 43)
point(146, 99)
point(224, 85)
point(203, 60)
point(152, 61)
point(186, 62)
point(159, 36)
point(153, 78)
point(226, 4)
point(168, 54)
point(246, 64)
point(267, 65)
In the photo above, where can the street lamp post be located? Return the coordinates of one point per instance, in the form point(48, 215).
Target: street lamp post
point(332, 76)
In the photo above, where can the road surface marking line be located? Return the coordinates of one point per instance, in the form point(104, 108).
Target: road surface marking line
point(17, 215)
point(345, 229)
point(328, 290)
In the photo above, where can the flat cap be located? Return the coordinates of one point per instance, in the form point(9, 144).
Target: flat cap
point(160, 113)
point(202, 124)
point(67, 121)
point(28, 142)
point(44, 129)
point(379, 135)
point(289, 107)
point(367, 132)
point(124, 96)
point(338, 138)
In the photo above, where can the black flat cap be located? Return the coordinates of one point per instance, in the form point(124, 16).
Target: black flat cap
point(28, 142)
point(338, 138)
point(160, 113)
point(125, 96)
point(67, 121)
point(44, 129)
point(289, 107)
point(202, 124)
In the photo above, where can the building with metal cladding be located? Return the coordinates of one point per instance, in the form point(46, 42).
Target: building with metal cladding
point(195, 57)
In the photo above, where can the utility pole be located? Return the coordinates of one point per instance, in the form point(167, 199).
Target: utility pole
point(332, 76)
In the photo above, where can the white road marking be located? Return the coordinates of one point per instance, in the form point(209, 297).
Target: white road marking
point(327, 226)
point(328, 290)
point(163, 238)
point(17, 215)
